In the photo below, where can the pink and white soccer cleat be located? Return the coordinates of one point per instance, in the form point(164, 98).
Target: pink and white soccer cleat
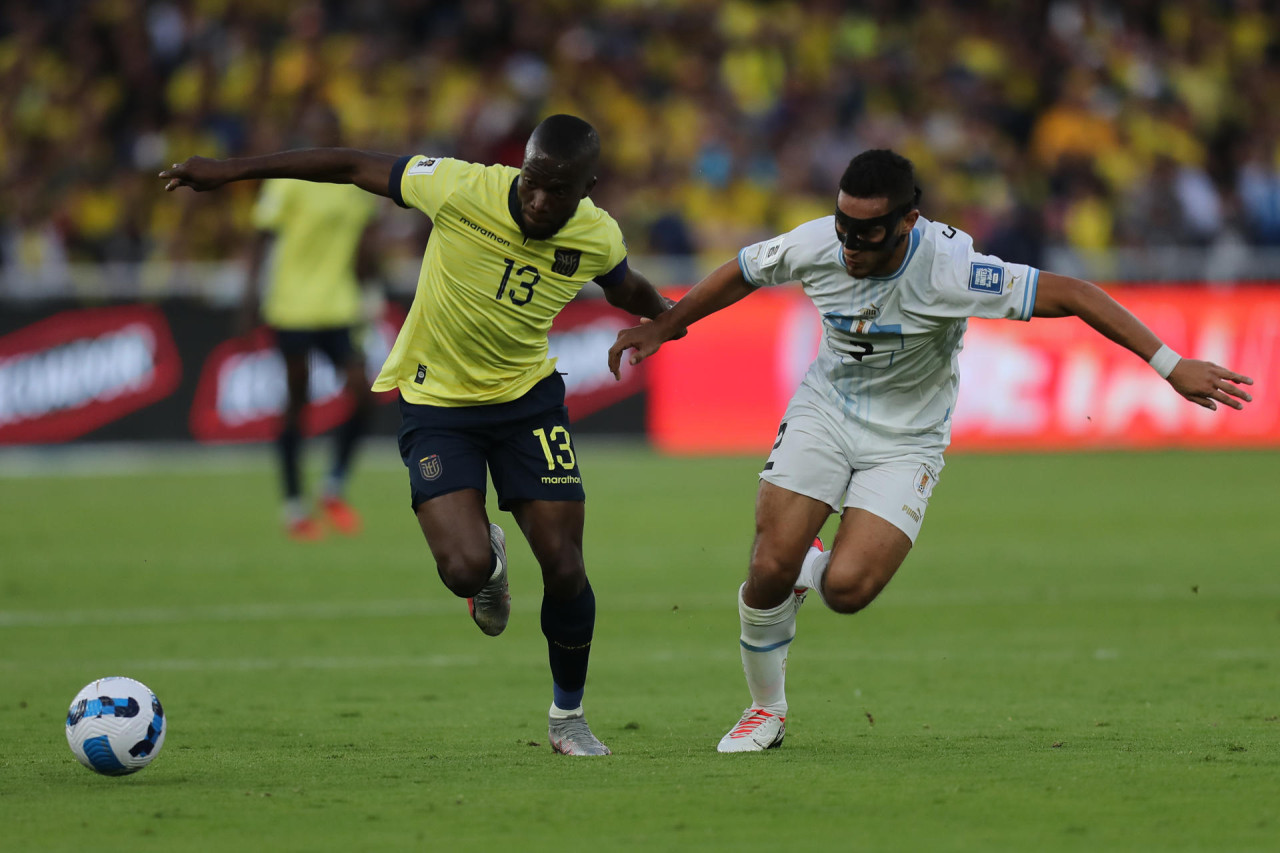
point(757, 731)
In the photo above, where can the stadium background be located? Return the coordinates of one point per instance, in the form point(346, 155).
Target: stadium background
point(1082, 655)
point(1133, 143)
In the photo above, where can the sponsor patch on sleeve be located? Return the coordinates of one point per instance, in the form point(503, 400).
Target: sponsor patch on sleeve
point(425, 167)
point(986, 278)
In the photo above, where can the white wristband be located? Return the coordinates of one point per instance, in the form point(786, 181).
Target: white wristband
point(1164, 361)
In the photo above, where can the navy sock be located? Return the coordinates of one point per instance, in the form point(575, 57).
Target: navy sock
point(568, 627)
point(349, 435)
point(289, 445)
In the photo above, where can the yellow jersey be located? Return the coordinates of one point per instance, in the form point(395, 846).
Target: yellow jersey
point(311, 280)
point(476, 333)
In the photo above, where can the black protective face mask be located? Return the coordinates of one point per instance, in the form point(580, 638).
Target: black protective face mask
point(876, 233)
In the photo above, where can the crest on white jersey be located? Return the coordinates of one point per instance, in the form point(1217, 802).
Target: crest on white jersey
point(426, 167)
point(926, 477)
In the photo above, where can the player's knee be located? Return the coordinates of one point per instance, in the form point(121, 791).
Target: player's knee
point(849, 595)
point(465, 572)
point(564, 578)
point(770, 570)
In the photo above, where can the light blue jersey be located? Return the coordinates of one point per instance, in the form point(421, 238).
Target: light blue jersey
point(890, 344)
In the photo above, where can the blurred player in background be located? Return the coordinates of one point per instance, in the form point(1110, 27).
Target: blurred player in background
point(508, 249)
point(865, 433)
point(312, 233)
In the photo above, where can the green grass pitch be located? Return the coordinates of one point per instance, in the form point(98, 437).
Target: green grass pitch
point(1082, 653)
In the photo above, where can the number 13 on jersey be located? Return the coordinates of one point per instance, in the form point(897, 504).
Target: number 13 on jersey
point(520, 289)
point(548, 440)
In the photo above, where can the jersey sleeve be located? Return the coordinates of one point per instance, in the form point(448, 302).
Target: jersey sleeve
point(971, 284)
point(769, 262)
point(425, 182)
point(614, 269)
point(269, 209)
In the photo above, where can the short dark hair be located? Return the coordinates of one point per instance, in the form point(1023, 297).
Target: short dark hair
point(881, 173)
point(566, 138)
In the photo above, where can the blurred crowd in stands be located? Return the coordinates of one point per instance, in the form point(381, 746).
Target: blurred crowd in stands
point(1085, 124)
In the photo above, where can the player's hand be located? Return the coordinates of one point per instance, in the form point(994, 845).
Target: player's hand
point(1207, 384)
point(199, 173)
point(645, 339)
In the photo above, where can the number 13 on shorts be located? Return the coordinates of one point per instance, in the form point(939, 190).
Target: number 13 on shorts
point(556, 447)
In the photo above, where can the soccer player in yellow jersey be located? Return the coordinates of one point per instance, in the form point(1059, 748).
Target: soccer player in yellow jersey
point(508, 249)
point(312, 302)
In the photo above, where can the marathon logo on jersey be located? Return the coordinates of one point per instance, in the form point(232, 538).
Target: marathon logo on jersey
point(986, 278)
point(566, 262)
point(430, 467)
point(925, 480)
point(426, 167)
point(422, 375)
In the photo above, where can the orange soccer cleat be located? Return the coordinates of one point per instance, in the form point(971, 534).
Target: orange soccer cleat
point(305, 530)
point(341, 516)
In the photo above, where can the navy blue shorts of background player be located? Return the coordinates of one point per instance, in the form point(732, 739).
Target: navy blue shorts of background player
point(525, 444)
point(335, 343)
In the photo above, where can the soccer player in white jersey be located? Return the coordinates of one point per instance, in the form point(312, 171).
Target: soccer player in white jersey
point(865, 432)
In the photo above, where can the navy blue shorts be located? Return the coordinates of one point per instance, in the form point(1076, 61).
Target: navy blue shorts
point(525, 444)
point(335, 343)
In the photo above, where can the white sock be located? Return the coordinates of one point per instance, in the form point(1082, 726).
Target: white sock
point(766, 637)
point(813, 570)
point(558, 713)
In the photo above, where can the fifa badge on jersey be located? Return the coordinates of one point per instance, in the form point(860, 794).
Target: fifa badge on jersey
point(926, 478)
point(986, 278)
point(430, 467)
point(422, 375)
point(566, 262)
point(426, 167)
point(770, 252)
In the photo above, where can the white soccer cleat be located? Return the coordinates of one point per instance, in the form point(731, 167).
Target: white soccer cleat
point(491, 606)
point(757, 731)
point(572, 736)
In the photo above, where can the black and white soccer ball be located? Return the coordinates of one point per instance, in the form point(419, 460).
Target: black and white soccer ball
point(115, 726)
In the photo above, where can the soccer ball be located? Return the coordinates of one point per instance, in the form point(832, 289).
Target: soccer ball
point(115, 726)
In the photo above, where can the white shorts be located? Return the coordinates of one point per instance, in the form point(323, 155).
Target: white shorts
point(823, 455)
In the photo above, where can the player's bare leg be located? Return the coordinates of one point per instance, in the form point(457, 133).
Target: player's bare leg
point(786, 524)
point(298, 521)
point(867, 552)
point(554, 531)
point(340, 514)
point(470, 555)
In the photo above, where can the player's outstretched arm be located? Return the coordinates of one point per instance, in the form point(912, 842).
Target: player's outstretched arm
point(368, 170)
point(635, 295)
point(1202, 382)
point(723, 287)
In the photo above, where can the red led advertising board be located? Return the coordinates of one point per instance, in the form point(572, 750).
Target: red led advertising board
point(1051, 384)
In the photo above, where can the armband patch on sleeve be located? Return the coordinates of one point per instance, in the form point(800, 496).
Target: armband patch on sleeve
point(770, 252)
point(426, 167)
point(986, 278)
